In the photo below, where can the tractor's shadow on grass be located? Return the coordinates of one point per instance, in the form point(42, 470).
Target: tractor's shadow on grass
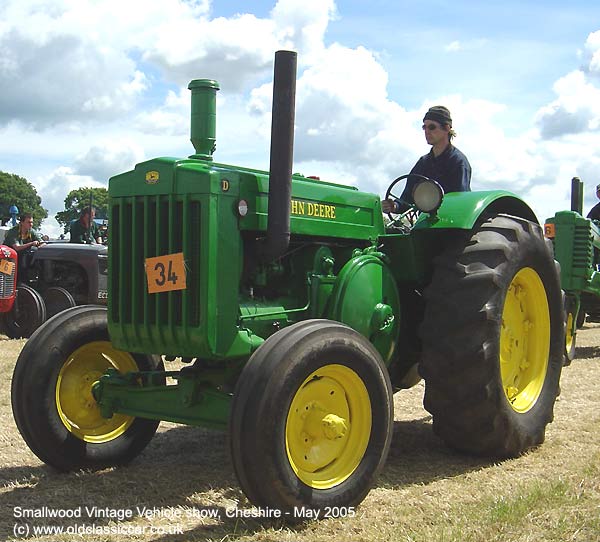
point(183, 467)
point(417, 456)
point(587, 352)
point(191, 468)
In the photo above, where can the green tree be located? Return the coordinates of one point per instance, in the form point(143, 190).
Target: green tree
point(16, 190)
point(79, 198)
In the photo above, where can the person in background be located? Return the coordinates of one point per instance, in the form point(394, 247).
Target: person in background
point(444, 163)
point(24, 241)
point(22, 237)
point(84, 229)
point(594, 213)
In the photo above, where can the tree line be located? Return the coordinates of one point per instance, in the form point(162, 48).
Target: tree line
point(16, 190)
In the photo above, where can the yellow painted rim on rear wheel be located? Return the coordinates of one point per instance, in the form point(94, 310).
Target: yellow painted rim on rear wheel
point(569, 336)
point(75, 403)
point(524, 340)
point(328, 426)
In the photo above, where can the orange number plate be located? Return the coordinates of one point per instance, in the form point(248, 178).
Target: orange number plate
point(165, 273)
point(6, 267)
point(549, 231)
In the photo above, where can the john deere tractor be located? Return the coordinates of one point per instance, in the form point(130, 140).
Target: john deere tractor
point(297, 312)
point(576, 243)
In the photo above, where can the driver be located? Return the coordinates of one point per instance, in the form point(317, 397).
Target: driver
point(594, 213)
point(24, 240)
point(444, 163)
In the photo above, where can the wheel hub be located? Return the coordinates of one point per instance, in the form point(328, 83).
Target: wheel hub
point(328, 426)
point(334, 427)
point(75, 402)
point(524, 340)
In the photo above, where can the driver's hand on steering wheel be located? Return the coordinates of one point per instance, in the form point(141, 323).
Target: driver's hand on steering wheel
point(389, 206)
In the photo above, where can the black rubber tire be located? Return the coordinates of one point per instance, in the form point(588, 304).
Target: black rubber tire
point(57, 299)
point(570, 334)
point(461, 339)
point(33, 394)
point(262, 399)
point(580, 318)
point(28, 313)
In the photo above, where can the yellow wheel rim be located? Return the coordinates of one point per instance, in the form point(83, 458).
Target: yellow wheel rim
point(569, 333)
point(328, 426)
point(75, 403)
point(524, 340)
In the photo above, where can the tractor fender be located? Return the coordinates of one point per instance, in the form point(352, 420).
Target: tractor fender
point(365, 297)
point(462, 210)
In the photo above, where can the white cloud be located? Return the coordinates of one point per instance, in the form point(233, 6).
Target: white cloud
point(592, 46)
point(301, 25)
point(54, 189)
point(576, 110)
point(453, 47)
point(468, 45)
point(577, 106)
point(171, 118)
point(102, 161)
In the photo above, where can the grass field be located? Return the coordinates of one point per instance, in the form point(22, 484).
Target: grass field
point(426, 493)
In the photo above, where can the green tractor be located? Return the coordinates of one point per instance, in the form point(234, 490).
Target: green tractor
point(297, 312)
point(576, 243)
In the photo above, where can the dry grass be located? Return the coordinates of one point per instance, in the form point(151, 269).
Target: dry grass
point(427, 493)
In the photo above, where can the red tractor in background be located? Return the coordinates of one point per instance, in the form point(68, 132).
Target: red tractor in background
point(57, 276)
point(22, 309)
point(8, 281)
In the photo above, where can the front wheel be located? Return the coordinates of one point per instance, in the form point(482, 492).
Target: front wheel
point(493, 339)
point(52, 400)
point(27, 314)
point(311, 419)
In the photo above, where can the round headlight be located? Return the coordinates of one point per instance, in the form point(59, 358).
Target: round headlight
point(242, 207)
point(427, 195)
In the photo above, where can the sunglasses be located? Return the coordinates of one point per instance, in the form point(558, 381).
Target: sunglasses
point(430, 127)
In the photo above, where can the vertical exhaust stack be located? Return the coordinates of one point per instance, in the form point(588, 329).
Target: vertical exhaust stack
point(281, 158)
point(577, 195)
point(204, 117)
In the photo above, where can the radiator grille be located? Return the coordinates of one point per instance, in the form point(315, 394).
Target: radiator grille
point(7, 282)
point(147, 226)
point(582, 247)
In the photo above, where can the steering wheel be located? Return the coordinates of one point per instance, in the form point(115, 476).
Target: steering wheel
point(410, 214)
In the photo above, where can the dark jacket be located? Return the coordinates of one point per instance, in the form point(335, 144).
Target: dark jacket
point(451, 169)
point(594, 213)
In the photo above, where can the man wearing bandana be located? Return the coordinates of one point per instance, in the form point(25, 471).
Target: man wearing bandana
point(444, 163)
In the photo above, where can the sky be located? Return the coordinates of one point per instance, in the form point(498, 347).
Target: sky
point(89, 88)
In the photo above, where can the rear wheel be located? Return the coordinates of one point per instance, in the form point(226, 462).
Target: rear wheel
point(493, 339)
point(52, 399)
point(311, 420)
point(57, 299)
point(580, 318)
point(28, 313)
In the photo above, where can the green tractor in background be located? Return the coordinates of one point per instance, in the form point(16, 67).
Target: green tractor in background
point(297, 313)
point(576, 243)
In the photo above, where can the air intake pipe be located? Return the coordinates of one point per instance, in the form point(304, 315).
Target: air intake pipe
point(204, 117)
point(281, 157)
